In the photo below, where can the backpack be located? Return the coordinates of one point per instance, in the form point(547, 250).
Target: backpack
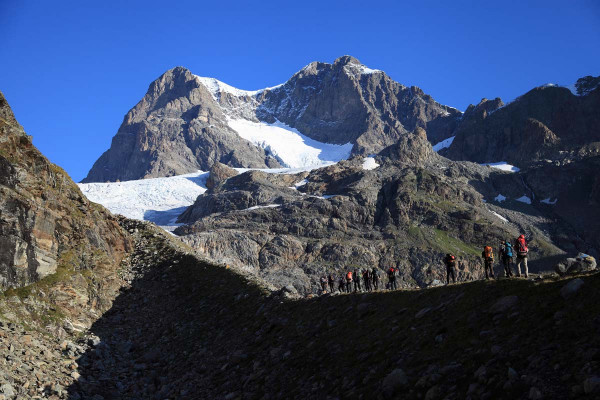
point(349, 276)
point(488, 252)
point(508, 250)
point(522, 249)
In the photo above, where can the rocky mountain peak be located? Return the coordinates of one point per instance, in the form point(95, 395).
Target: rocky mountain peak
point(345, 60)
point(179, 125)
point(6, 112)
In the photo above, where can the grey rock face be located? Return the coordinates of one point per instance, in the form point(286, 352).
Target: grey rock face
point(45, 222)
point(218, 173)
point(345, 102)
point(546, 122)
point(178, 127)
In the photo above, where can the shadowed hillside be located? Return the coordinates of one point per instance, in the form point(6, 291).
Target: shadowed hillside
point(188, 329)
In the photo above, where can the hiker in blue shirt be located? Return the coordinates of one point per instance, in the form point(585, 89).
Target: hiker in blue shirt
point(506, 254)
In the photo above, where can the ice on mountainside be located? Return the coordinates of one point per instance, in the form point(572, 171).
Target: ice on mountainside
point(289, 146)
point(443, 144)
point(524, 199)
point(160, 200)
point(503, 165)
point(548, 201)
point(499, 198)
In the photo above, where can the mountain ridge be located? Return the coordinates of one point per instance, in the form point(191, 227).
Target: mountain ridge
point(181, 124)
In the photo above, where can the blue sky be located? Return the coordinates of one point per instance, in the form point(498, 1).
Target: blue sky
point(71, 70)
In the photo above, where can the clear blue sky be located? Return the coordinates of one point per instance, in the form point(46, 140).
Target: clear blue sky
point(71, 70)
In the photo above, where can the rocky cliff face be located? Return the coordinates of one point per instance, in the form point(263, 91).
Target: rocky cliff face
point(548, 122)
point(346, 102)
point(178, 127)
point(46, 225)
point(184, 124)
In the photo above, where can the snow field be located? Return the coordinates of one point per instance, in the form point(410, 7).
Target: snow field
point(148, 199)
point(288, 145)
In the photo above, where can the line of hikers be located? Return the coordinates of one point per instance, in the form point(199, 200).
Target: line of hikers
point(506, 251)
point(354, 280)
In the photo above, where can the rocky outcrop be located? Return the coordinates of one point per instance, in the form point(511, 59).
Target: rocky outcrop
point(548, 122)
point(218, 173)
point(46, 225)
point(576, 265)
point(292, 229)
point(181, 124)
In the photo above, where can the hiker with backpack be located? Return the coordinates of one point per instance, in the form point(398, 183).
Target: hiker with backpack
point(506, 254)
point(341, 284)
point(392, 278)
point(324, 284)
point(488, 259)
point(348, 281)
point(331, 281)
point(375, 276)
point(522, 251)
point(367, 279)
point(450, 262)
point(357, 275)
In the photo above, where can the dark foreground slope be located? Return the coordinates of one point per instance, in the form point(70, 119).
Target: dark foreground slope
point(186, 329)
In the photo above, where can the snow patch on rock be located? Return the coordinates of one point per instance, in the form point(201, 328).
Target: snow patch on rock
point(524, 199)
point(548, 201)
point(503, 165)
point(265, 206)
point(443, 144)
point(499, 216)
point(500, 198)
point(215, 86)
point(369, 163)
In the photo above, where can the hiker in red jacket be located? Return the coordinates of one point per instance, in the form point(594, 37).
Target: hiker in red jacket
point(392, 278)
point(522, 251)
point(488, 259)
point(450, 262)
point(348, 281)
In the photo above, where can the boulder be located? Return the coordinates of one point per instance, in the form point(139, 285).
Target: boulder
point(504, 304)
point(393, 382)
point(218, 173)
point(582, 263)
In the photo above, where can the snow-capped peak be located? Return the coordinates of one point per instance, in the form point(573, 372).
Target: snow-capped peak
point(215, 86)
